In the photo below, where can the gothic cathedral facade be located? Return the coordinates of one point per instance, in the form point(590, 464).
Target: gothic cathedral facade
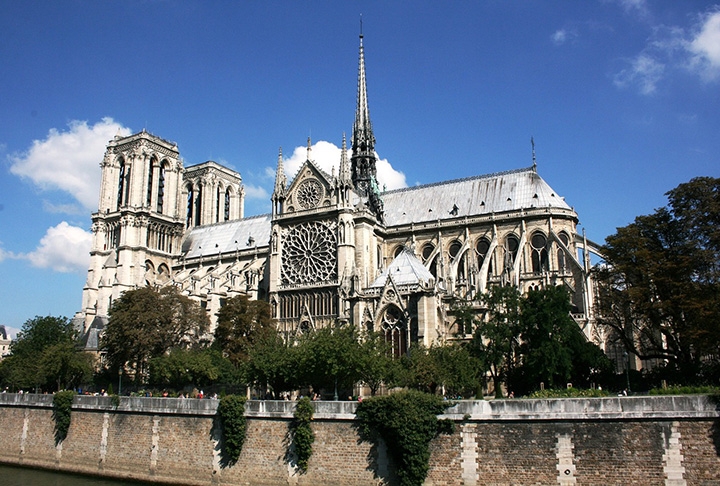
point(335, 249)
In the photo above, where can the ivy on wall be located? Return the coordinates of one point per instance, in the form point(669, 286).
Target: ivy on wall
point(231, 412)
point(407, 422)
point(62, 408)
point(302, 434)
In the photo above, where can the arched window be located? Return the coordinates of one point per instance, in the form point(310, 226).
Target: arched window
point(218, 194)
point(397, 251)
point(121, 184)
point(393, 326)
point(126, 195)
point(482, 248)
point(427, 252)
point(227, 205)
point(511, 249)
point(562, 263)
point(148, 198)
point(539, 252)
point(161, 188)
point(198, 206)
point(190, 206)
point(454, 249)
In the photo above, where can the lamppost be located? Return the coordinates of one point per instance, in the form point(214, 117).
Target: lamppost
point(120, 381)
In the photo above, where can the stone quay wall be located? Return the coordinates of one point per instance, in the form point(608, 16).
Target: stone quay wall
point(598, 441)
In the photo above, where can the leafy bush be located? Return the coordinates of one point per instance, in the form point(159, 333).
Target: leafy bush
point(302, 434)
point(569, 393)
point(62, 408)
point(407, 422)
point(231, 412)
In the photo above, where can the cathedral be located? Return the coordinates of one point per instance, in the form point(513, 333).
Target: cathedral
point(336, 248)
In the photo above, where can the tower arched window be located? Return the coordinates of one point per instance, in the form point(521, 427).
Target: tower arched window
point(218, 197)
point(190, 206)
point(161, 189)
point(226, 212)
point(539, 252)
point(198, 206)
point(121, 183)
point(126, 196)
point(148, 198)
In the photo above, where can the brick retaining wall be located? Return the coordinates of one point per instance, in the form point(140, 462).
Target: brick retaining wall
point(671, 441)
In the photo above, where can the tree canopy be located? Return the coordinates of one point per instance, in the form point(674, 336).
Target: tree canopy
point(45, 356)
point(147, 323)
point(659, 288)
point(241, 324)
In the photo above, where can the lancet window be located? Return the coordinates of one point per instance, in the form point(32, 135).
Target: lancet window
point(481, 248)
point(538, 242)
point(394, 329)
point(121, 183)
point(161, 189)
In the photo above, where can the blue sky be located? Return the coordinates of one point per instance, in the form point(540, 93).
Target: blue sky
point(622, 98)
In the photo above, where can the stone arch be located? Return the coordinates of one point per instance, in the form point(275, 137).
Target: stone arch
point(149, 273)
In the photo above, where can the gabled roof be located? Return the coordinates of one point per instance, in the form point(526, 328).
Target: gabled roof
point(226, 237)
point(405, 269)
point(480, 195)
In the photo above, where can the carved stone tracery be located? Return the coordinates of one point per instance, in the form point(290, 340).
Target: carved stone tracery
point(309, 253)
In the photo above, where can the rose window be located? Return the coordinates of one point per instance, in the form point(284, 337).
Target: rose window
point(309, 194)
point(309, 254)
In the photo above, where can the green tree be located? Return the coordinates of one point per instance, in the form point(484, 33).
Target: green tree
point(272, 365)
point(199, 367)
point(44, 355)
point(241, 324)
point(496, 340)
point(554, 349)
point(375, 362)
point(147, 322)
point(659, 288)
point(328, 358)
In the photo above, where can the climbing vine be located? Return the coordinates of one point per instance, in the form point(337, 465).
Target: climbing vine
point(62, 408)
point(231, 412)
point(407, 422)
point(302, 434)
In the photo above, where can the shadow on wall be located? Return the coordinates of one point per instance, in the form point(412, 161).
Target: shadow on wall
point(715, 399)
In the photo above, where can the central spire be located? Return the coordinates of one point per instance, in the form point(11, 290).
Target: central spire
point(363, 140)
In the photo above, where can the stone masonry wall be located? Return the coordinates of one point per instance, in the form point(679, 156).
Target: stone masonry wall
point(672, 441)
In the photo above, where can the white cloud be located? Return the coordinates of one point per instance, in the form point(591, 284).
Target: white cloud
point(326, 156)
point(644, 72)
point(64, 248)
point(705, 48)
point(4, 254)
point(672, 49)
point(69, 160)
point(256, 192)
point(559, 36)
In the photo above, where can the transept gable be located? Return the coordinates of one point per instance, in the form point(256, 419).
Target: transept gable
point(311, 188)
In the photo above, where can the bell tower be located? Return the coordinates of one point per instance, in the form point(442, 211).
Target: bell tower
point(138, 228)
